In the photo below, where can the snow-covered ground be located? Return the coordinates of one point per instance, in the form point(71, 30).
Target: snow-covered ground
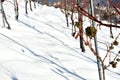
point(40, 47)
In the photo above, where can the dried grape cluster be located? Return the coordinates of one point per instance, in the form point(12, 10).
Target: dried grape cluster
point(91, 31)
point(115, 62)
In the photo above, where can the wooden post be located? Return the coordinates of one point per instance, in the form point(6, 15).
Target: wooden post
point(81, 27)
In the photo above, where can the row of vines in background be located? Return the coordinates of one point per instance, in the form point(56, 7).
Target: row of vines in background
point(16, 9)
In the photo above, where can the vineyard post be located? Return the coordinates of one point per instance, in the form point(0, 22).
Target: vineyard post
point(2, 12)
point(99, 12)
point(66, 13)
point(109, 19)
point(81, 26)
point(95, 40)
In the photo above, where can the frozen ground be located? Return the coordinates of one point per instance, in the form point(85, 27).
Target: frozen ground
point(40, 47)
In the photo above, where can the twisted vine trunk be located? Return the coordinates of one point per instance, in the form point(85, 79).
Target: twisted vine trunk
point(66, 14)
point(73, 25)
point(16, 9)
point(30, 5)
point(26, 2)
point(5, 18)
point(4, 15)
point(34, 3)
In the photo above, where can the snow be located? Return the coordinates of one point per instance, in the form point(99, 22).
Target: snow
point(40, 47)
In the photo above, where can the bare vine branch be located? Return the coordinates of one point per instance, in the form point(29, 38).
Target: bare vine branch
point(85, 13)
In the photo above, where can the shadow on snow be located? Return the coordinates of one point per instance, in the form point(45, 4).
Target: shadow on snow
point(44, 59)
point(9, 72)
point(52, 36)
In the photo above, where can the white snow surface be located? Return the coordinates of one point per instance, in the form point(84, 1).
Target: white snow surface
point(39, 46)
